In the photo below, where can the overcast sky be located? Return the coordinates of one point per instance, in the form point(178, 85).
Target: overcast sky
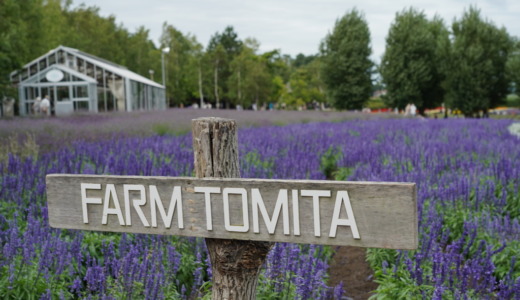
point(292, 26)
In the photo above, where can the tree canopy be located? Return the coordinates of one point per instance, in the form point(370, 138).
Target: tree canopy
point(411, 67)
point(478, 56)
point(470, 65)
point(347, 67)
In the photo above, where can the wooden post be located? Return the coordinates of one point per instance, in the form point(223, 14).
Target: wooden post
point(235, 264)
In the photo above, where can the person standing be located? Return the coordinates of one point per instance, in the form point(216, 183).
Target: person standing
point(36, 105)
point(413, 110)
point(407, 109)
point(45, 106)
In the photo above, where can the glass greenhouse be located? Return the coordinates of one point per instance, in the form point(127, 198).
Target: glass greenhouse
point(76, 81)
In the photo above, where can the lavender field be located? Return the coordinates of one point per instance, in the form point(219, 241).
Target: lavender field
point(467, 174)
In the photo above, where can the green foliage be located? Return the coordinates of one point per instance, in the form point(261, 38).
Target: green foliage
point(162, 129)
point(478, 56)
point(250, 81)
point(482, 60)
point(20, 145)
point(222, 49)
point(329, 162)
point(305, 87)
point(395, 281)
point(267, 290)
point(398, 285)
point(513, 100)
point(347, 67)
point(343, 173)
point(182, 65)
point(301, 60)
point(376, 257)
point(411, 67)
point(29, 283)
point(513, 69)
point(375, 103)
point(254, 159)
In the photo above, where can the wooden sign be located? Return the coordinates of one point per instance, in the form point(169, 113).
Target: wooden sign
point(364, 214)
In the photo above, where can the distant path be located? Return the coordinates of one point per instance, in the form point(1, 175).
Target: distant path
point(349, 265)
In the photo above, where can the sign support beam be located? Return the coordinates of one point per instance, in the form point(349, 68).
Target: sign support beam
point(235, 264)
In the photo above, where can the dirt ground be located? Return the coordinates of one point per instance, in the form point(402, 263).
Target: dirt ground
point(349, 265)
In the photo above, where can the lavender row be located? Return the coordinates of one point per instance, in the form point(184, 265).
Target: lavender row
point(467, 173)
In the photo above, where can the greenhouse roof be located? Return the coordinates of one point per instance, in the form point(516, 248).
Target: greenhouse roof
point(100, 62)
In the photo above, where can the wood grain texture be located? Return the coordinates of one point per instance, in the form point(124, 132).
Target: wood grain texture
point(235, 263)
point(385, 213)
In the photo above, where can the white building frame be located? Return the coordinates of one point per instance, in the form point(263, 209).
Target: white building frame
point(85, 83)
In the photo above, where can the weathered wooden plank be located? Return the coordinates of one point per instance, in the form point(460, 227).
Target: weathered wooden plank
point(385, 213)
point(235, 264)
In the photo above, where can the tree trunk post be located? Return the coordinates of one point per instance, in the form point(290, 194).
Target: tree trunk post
point(235, 264)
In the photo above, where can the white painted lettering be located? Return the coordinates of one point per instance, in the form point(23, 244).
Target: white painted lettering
point(85, 200)
point(281, 202)
point(316, 194)
point(111, 193)
point(245, 211)
point(296, 212)
point(342, 197)
point(137, 203)
point(175, 200)
point(207, 191)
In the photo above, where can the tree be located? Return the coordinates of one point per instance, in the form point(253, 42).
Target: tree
point(513, 67)
point(20, 39)
point(182, 65)
point(305, 88)
point(411, 67)
point(54, 25)
point(91, 33)
point(347, 67)
point(477, 78)
point(222, 48)
point(142, 57)
point(250, 81)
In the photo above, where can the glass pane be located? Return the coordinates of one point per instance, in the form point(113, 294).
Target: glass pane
point(43, 64)
point(81, 65)
point(61, 57)
point(80, 91)
point(25, 74)
point(71, 61)
point(31, 93)
point(29, 108)
point(34, 69)
point(135, 95)
point(81, 105)
point(101, 99)
point(90, 70)
point(99, 76)
point(63, 93)
point(52, 59)
point(15, 79)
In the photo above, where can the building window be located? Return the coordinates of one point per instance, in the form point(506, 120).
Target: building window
point(63, 93)
point(80, 91)
point(61, 57)
point(81, 106)
point(43, 64)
